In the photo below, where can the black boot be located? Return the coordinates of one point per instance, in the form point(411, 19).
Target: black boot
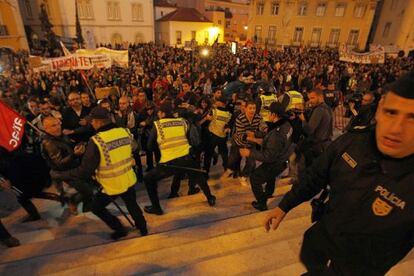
point(120, 233)
point(259, 206)
point(211, 200)
point(153, 210)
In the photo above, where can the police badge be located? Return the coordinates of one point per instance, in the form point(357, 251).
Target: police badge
point(381, 208)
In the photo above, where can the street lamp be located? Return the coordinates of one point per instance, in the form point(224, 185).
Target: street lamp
point(205, 52)
point(245, 28)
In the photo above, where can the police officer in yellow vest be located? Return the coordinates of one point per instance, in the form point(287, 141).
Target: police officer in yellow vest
point(172, 137)
point(218, 128)
point(264, 100)
point(109, 158)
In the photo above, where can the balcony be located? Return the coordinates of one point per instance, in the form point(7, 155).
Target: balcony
point(3, 30)
point(332, 44)
point(314, 44)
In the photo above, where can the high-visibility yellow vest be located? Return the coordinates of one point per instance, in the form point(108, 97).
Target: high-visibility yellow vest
point(295, 100)
point(220, 119)
point(115, 172)
point(266, 100)
point(172, 139)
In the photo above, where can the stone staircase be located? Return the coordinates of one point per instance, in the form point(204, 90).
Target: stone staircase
point(190, 239)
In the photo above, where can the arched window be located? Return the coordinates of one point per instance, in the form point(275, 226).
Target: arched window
point(139, 38)
point(116, 39)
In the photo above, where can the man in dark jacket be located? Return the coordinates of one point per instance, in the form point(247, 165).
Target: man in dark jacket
point(61, 156)
point(274, 154)
point(318, 129)
point(368, 223)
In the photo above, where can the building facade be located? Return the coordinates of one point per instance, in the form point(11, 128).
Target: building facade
point(314, 23)
point(12, 34)
point(112, 21)
point(395, 26)
point(186, 26)
point(162, 8)
point(234, 16)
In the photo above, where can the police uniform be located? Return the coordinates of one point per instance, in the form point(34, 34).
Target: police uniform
point(109, 157)
point(170, 134)
point(265, 101)
point(218, 136)
point(368, 225)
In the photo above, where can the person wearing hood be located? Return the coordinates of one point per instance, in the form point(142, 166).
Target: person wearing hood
point(273, 154)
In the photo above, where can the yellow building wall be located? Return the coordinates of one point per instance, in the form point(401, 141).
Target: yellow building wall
point(10, 17)
point(288, 19)
point(401, 31)
point(204, 30)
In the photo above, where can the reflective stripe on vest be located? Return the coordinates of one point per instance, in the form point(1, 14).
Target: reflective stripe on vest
point(171, 138)
point(220, 119)
point(266, 100)
point(295, 100)
point(115, 172)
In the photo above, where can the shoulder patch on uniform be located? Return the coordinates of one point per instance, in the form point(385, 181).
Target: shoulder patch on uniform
point(349, 160)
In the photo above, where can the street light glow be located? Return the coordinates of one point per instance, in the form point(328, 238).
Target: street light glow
point(245, 28)
point(204, 52)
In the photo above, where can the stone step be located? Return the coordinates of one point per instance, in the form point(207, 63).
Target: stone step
point(148, 254)
point(252, 261)
point(233, 222)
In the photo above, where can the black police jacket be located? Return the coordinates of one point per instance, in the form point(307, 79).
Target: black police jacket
point(370, 212)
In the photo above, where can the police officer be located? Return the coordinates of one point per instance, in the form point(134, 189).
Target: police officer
point(265, 99)
point(172, 136)
point(292, 99)
point(109, 153)
point(218, 129)
point(274, 154)
point(368, 223)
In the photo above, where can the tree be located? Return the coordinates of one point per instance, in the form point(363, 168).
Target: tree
point(47, 28)
point(79, 37)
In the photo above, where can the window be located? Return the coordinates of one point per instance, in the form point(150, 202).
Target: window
point(85, 9)
point(303, 7)
point(113, 10)
point(116, 39)
point(46, 3)
point(353, 37)
point(334, 36)
point(387, 28)
point(316, 36)
point(137, 12)
point(271, 36)
point(178, 37)
point(3, 30)
point(162, 13)
point(320, 9)
point(340, 9)
point(258, 34)
point(275, 8)
point(139, 38)
point(193, 35)
point(260, 7)
point(228, 24)
point(219, 22)
point(359, 10)
point(298, 35)
point(28, 8)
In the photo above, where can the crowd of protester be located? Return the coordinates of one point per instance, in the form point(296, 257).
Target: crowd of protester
point(197, 87)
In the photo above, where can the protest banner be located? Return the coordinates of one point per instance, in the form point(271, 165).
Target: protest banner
point(376, 55)
point(118, 57)
point(104, 92)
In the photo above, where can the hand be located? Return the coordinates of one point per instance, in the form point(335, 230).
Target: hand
point(274, 218)
point(244, 152)
point(67, 132)
point(83, 122)
point(301, 117)
point(227, 130)
point(250, 134)
point(79, 149)
point(5, 184)
point(142, 124)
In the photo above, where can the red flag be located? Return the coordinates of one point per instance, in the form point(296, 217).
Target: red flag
point(11, 127)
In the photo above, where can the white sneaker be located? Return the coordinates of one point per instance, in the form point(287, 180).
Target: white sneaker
point(243, 181)
point(226, 174)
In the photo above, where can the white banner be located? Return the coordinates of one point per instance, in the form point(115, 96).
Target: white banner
point(376, 55)
point(118, 57)
point(74, 62)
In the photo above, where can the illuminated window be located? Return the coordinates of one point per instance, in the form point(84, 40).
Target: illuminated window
point(340, 9)
point(321, 9)
point(359, 10)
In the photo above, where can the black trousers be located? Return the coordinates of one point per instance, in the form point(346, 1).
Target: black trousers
point(321, 257)
point(163, 171)
point(266, 173)
point(176, 183)
point(101, 200)
point(221, 143)
point(235, 159)
point(29, 207)
point(4, 234)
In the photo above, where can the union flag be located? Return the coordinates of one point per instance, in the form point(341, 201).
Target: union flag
point(11, 127)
